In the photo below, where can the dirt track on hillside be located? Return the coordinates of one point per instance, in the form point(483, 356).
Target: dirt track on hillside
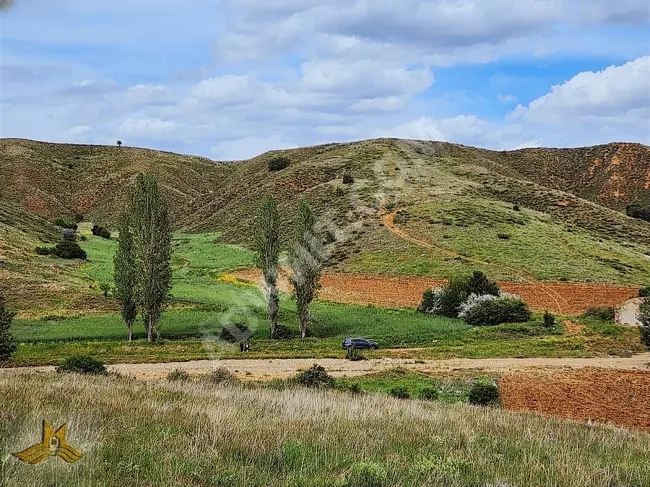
point(400, 291)
point(266, 369)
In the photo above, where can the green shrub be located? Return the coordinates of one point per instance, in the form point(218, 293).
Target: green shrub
point(283, 333)
point(315, 376)
point(82, 364)
point(178, 375)
point(484, 394)
point(451, 296)
point(234, 333)
point(399, 392)
point(353, 354)
point(278, 163)
point(60, 222)
point(516, 208)
point(549, 320)
point(83, 238)
point(99, 231)
point(78, 217)
point(505, 309)
point(69, 250)
point(220, 375)
point(355, 388)
point(638, 210)
point(644, 292)
point(368, 474)
point(644, 317)
point(69, 235)
point(481, 284)
point(7, 340)
point(43, 250)
point(429, 394)
point(428, 301)
point(339, 191)
point(347, 178)
point(604, 313)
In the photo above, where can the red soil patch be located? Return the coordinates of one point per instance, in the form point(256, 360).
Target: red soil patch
point(407, 291)
point(620, 397)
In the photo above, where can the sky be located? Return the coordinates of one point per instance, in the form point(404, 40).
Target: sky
point(230, 79)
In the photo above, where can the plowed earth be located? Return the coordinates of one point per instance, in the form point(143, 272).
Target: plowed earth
point(620, 397)
point(392, 291)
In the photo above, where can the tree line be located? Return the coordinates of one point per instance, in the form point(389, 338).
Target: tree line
point(142, 262)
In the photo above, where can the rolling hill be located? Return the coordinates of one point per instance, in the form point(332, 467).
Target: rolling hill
point(415, 207)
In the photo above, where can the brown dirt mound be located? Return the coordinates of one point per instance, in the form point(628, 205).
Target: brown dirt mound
point(620, 397)
point(407, 291)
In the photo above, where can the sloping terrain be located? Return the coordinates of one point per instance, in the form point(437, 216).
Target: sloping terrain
point(415, 208)
point(59, 180)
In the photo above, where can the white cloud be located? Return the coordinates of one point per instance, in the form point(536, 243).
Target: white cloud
point(247, 147)
point(78, 130)
point(147, 127)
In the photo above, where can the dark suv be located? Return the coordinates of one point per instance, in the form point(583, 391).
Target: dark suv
point(359, 344)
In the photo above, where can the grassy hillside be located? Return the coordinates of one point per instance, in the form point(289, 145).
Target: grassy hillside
point(198, 434)
point(456, 202)
point(56, 180)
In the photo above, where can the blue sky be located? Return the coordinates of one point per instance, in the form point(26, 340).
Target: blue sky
point(230, 79)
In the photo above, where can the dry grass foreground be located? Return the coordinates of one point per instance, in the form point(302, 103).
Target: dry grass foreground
point(181, 434)
point(620, 397)
point(395, 291)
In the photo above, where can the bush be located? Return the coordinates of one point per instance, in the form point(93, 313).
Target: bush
point(283, 333)
point(347, 178)
point(399, 392)
point(638, 210)
point(78, 217)
point(549, 320)
point(644, 292)
point(178, 375)
point(604, 313)
point(278, 163)
point(43, 250)
point(428, 301)
point(69, 250)
point(481, 284)
point(103, 232)
point(339, 191)
point(220, 375)
point(69, 235)
point(451, 296)
point(355, 388)
point(484, 394)
point(7, 341)
point(83, 238)
point(506, 309)
point(516, 208)
point(471, 302)
point(60, 222)
point(644, 317)
point(316, 376)
point(235, 333)
point(82, 364)
point(429, 394)
point(368, 474)
point(353, 354)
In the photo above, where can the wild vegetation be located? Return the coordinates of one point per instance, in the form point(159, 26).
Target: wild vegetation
point(175, 434)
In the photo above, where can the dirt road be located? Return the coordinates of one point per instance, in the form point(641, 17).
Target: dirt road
point(266, 369)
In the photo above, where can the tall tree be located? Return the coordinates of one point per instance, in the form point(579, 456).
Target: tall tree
point(306, 256)
point(125, 275)
point(7, 341)
point(267, 245)
point(152, 243)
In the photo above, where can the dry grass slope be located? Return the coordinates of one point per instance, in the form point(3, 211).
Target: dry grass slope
point(197, 434)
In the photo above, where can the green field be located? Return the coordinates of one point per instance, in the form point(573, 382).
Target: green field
point(203, 304)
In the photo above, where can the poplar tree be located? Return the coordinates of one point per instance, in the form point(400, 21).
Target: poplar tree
point(152, 244)
point(267, 245)
point(306, 256)
point(7, 341)
point(125, 275)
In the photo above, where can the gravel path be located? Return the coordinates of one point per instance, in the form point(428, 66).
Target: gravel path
point(266, 369)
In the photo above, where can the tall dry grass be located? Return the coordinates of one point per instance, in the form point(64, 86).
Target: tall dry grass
point(198, 434)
